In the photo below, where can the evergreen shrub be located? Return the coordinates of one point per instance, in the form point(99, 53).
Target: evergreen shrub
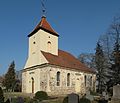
point(65, 100)
point(41, 95)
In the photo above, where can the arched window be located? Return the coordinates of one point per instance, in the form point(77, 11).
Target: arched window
point(32, 85)
point(68, 79)
point(91, 81)
point(49, 46)
point(85, 80)
point(58, 78)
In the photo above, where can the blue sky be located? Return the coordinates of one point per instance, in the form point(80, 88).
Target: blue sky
point(78, 22)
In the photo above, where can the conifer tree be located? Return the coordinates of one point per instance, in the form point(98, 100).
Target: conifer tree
point(114, 70)
point(100, 67)
point(9, 80)
point(115, 67)
point(1, 96)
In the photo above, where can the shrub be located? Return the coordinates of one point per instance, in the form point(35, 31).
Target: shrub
point(27, 100)
point(93, 93)
point(110, 91)
point(8, 101)
point(41, 95)
point(102, 101)
point(84, 100)
point(65, 100)
point(14, 100)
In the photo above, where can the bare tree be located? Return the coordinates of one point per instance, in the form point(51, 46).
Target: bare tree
point(87, 59)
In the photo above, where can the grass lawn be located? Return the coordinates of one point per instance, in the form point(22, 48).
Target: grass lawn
point(57, 100)
point(28, 96)
point(52, 99)
point(16, 94)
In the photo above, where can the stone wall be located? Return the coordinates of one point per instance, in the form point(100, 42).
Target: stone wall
point(45, 80)
point(63, 88)
point(24, 82)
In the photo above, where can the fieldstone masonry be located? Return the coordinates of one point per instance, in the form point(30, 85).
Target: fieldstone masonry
point(45, 80)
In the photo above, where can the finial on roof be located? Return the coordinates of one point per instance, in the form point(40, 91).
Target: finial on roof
point(43, 8)
point(43, 16)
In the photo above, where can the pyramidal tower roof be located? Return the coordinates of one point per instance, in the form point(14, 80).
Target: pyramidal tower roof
point(44, 25)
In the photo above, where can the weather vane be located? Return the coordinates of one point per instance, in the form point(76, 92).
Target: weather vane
point(43, 7)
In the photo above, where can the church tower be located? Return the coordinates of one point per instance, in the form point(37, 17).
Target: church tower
point(42, 38)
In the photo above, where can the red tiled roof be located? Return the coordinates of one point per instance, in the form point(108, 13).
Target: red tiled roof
point(44, 25)
point(67, 60)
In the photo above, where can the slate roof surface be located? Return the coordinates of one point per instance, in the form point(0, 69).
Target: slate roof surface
point(65, 59)
point(44, 25)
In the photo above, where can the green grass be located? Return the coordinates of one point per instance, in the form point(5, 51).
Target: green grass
point(58, 100)
point(27, 96)
point(16, 94)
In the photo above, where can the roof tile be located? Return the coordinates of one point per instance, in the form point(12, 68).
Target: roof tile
point(67, 60)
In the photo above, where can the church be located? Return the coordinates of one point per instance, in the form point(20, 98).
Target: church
point(53, 70)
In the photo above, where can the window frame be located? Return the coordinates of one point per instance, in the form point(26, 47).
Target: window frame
point(68, 81)
point(58, 78)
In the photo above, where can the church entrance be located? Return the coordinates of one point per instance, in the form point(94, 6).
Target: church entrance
point(32, 85)
point(77, 84)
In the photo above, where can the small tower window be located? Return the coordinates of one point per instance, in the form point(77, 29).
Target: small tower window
point(34, 42)
point(58, 78)
point(49, 46)
point(49, 42)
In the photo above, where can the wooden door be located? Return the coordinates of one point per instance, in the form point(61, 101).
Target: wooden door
point(77, 84)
